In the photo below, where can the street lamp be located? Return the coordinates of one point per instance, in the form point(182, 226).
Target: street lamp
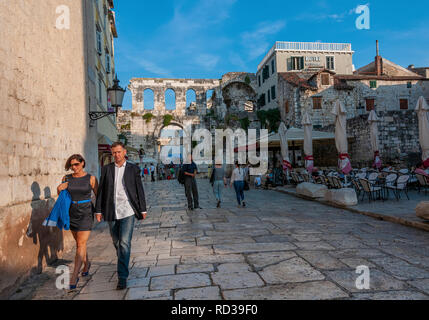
point(116, 96)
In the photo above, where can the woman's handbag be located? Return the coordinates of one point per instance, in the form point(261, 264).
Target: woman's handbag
point(246, 185)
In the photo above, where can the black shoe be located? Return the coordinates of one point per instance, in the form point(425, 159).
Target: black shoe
point(218, 204)
point(122, 285)
point(244, 204)
point(191, 209)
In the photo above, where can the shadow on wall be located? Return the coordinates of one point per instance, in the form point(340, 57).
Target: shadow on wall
point(50, 239)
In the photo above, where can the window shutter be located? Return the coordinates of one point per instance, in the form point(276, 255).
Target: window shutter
point(403, 104)
point(370, 104)
point(325, 79)
point(317, 103)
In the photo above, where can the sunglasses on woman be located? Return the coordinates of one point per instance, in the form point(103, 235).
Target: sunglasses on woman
point(74, 164)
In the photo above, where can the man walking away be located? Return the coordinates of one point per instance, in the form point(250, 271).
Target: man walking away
point(121, 199)
point(190, 171)
point(152, 172)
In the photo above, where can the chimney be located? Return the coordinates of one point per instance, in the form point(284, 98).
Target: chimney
point(378, 62)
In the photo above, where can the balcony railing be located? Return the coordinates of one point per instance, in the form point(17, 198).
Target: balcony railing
point(306, 46)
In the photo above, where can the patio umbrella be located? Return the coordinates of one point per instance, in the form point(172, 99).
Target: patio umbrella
point(308, 142)
point(284, 147)
point(341, 136)
point(373, 122)
point(423, 111)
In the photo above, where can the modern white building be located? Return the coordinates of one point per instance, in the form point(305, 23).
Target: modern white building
point(299, 57)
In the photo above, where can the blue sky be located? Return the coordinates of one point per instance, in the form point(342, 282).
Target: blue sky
point(207, 38)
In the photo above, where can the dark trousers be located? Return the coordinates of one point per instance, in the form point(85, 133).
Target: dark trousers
point(191, 191)
point(122, 233)
point(239, 191)
point(153, 176)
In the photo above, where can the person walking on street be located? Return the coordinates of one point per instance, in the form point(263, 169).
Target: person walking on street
point(218, 181)
point(152, 172)
point(190, 171)
point(145, 173)
point(120, 200)
point(79, 184)
point(237, 180)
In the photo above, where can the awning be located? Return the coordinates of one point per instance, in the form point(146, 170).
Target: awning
point(104, 144)
point(295, 134)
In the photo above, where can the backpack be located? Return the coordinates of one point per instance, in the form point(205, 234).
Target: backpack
point(181, 176)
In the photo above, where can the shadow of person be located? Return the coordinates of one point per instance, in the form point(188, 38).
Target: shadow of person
point(49, 239)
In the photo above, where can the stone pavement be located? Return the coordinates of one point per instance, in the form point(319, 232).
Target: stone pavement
point(278, 247)
point(402, 211)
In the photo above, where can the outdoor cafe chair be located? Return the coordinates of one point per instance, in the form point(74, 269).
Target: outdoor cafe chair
point(324, 180)
point(400, 186)
point(373, 177)
point(423, 182)
point(296, 178)
point(361, 175)
point(403, 172)
point(338, 183)
point(390, 180)
point(331, 184)
point(318, 180)
point(306, 177)
point(370, 190)
point(357, 186)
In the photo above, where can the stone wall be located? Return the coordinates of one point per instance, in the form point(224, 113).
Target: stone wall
point(398, 129)
point(44, 120)
point(233, 97)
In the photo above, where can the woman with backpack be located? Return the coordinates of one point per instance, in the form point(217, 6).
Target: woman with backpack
point(237, 179)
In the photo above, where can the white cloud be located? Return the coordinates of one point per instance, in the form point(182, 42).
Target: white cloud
point(207, 61)
point(257, 42)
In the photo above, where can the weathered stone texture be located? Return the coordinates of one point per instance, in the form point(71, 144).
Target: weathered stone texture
point(44, 120)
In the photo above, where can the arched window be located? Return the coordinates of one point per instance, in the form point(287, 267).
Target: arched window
point(191, 98)
point(209, 94)
point(170, 99)
point(148, 98)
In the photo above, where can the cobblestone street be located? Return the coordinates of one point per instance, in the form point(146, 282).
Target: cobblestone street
point(278, 247)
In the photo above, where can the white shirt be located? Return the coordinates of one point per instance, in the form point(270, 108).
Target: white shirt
point(123, 208)
point(237, 175)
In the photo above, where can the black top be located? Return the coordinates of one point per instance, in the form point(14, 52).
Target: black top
point(133, 187)
point(190, 168)
point(79, 188)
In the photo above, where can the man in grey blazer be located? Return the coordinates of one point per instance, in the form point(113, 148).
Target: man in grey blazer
point(121, 200)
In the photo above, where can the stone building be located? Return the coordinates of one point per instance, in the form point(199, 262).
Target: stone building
point(389, 89)
point(100, 33)
point(217, 103)
point(298, 57)
point(45, 100)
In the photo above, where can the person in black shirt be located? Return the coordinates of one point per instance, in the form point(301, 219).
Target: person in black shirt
point(190, 171)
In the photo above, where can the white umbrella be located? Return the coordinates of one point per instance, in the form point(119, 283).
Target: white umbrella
point(373, 122)
point(284, 146)
point(308, 142)
point(423, 111)
point(341, 136)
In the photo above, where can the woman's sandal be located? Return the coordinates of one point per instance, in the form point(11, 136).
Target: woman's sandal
point(85, 274)
point(72, 287)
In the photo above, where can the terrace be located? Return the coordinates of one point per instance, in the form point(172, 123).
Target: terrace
point(306, 47)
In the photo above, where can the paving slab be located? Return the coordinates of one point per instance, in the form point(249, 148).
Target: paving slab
point(179, 281)
point(317, 290)
point(252, 247)
point(205, 293)
point(292, 270)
